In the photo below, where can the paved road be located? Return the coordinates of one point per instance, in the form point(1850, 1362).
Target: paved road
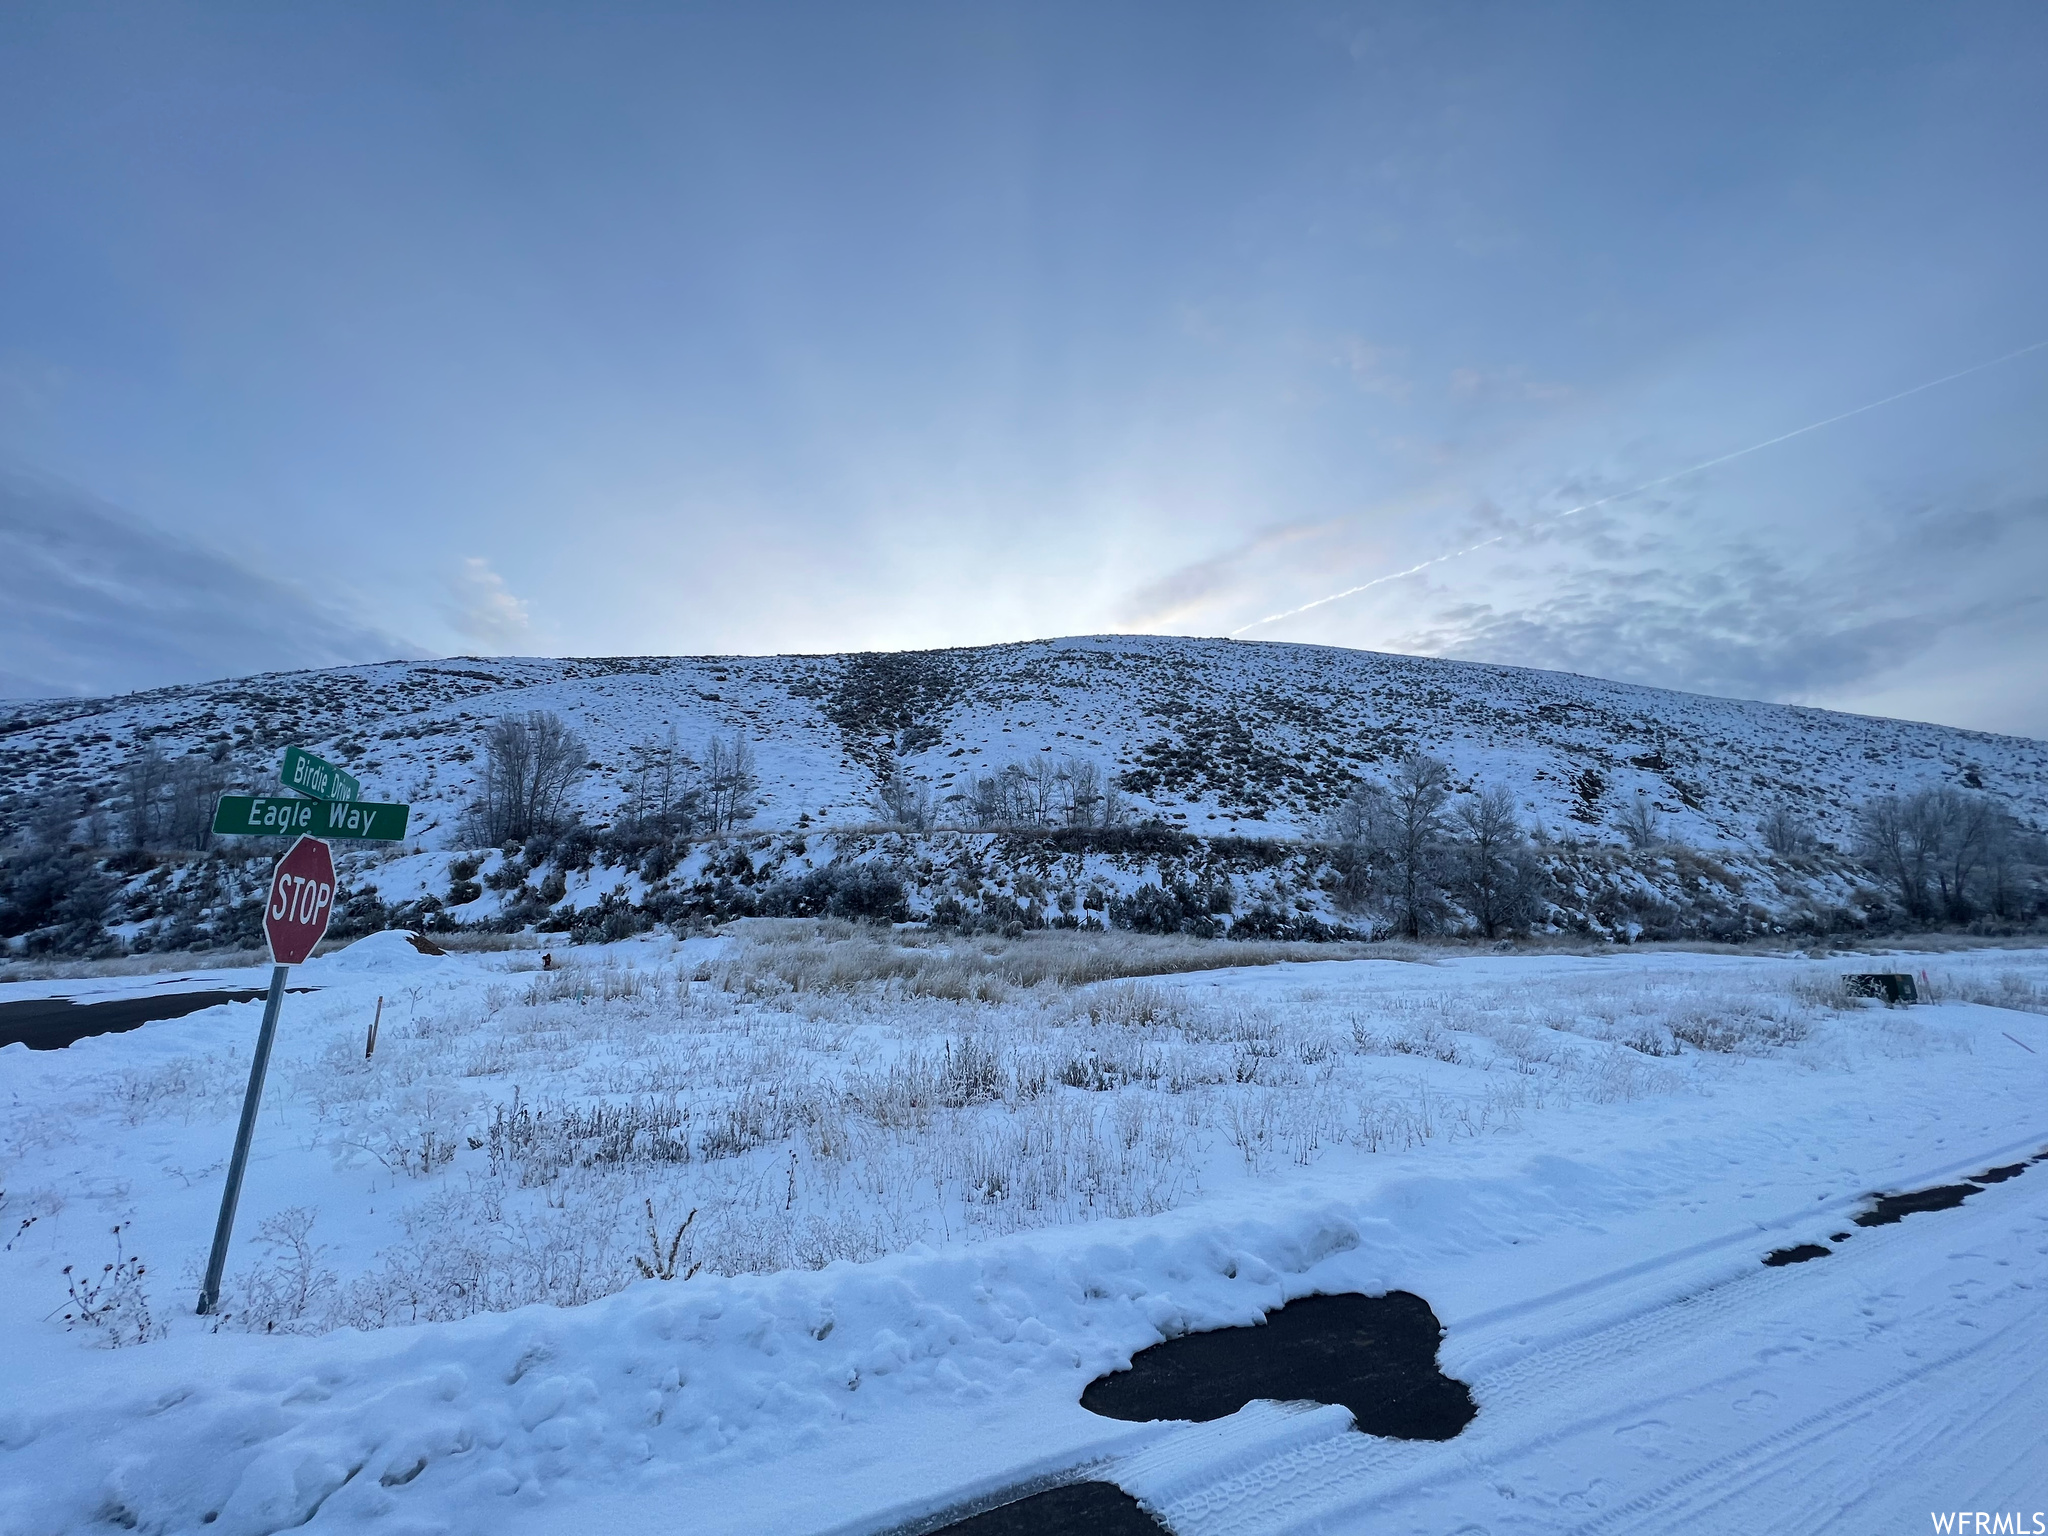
point(51, 1023)
point(1901, 1376)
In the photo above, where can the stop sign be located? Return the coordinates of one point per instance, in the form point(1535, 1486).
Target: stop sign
point(301, 901)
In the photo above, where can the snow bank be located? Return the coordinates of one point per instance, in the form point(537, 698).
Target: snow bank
point(394, 952)
point(248, 1436)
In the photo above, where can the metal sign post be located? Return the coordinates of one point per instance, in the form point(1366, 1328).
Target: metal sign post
point(294, 920)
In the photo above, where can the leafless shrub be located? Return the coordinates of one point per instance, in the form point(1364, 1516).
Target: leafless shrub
point(1737, 1025)
point(1641, 822)
point(1819, 991)
point(1253, 1124)
point(414, 1132)
point(1387, 1122)
point(291, 1291)
point(114, 1301)
point(1428, 1039)
point(666, 1264)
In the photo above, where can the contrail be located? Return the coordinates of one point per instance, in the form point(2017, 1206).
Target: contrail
point(1647, 485)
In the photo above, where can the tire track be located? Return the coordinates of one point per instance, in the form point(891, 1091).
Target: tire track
point(1748, 1460)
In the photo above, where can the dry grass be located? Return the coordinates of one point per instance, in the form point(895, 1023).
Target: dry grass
point(821, 955)
point(2009, 989)
point(462, 943)
point(822, 1092)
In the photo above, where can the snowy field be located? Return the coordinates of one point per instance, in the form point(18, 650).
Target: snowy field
point(901, 1202)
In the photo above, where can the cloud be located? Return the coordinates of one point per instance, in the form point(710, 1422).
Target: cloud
point(94, 601)
point(483, 607)
point(1643, 604)
point(1504, 384)
point(1375, 370)
point(1761, 633)
point(1204, 585)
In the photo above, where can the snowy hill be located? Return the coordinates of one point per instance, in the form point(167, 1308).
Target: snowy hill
point(1210, 735)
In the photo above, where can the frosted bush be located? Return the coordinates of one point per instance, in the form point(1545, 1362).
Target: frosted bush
point(289, 1290)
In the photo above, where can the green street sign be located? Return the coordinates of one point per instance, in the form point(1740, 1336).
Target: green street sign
point(317, 777)
point(286, 816)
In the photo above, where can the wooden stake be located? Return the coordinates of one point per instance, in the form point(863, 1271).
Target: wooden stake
point(370, 1046)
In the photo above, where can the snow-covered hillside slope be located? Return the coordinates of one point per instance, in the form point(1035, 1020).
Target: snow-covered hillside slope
point(1210, 735)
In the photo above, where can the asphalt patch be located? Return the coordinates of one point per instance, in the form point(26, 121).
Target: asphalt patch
point(51, 1023)
point(1890, 1208)
point(1778, 1258)
point(1886, 1209)
point(1999, 1175)
point(1376, 1355)
point(1078, 1509)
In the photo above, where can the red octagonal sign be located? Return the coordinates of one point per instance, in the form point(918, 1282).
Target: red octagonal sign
point(301, 901)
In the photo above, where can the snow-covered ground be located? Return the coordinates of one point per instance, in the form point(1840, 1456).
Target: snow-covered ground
point(938, 1190)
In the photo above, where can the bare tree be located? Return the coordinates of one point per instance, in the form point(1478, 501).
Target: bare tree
point(1930, 847)
point(1970, 826)
point(1073, 792)
point(532, 762)
point(1006, 798)
point(143, 782)
point(1641, 822)
point(1388, 843)
point(1355, 831)
point(1040, 784)
point(1413, 844)
point(988, 802)
point(2012, 869)
point(1080, 783)
point(1888, 836)
point(54, 821)
point(729, 783)
point(1496, 873)
point(196, 785)
point(1087, 798)
point(904, 801)
point(1114, 810)
point(1786, 833)
point(661, 800)
point(170, 801)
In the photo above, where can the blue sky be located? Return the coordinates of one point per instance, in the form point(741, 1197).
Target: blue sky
point(330, 333)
